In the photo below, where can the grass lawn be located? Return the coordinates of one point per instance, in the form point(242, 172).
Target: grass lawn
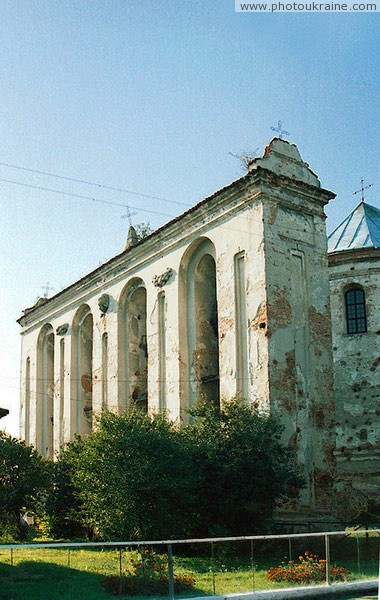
point(50, 574)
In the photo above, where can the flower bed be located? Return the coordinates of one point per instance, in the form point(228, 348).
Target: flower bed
point(309, 569)
point(146, 575)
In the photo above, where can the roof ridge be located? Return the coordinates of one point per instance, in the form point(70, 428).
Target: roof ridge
point(360, 229)
point(370, 219)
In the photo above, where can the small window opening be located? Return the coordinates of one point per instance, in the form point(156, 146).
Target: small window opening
point(355, 311)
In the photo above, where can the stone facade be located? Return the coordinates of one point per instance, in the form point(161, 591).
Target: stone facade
point(357, 381)
point(232, 297)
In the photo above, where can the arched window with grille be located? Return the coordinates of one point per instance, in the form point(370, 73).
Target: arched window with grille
point(355, 310)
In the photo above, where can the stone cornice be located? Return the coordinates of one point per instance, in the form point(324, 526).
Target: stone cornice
point(212, 210)
point(3, 412)
point(356, 255)
point(317, 194)
point(179, 230)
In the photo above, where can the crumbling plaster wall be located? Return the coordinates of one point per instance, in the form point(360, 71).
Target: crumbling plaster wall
point(233, 227)
point(247, 239)
point(299, 334)
point(272, 220)
point(357, 382)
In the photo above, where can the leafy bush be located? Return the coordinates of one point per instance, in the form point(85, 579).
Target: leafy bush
point(63, 508)
point(138, 476)
point(147, 574)
point(245, 469)
point(309, 569)
point(9, 531)
point(24, 479)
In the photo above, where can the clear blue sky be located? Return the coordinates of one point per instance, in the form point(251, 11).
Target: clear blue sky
point(152, 96)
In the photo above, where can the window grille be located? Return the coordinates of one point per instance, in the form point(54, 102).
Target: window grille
point(355, 311)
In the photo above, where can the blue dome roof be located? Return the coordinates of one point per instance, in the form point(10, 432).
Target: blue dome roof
point(361, 229)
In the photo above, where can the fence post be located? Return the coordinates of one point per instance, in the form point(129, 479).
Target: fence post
point(12, 576)
point(379, 578)
point(253, 568)
point(170, 572)
point(69, 567)
point(358, 553)
point(327, 548)
point(212, 568)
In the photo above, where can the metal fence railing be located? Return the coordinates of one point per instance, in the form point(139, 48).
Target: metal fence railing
point(218, 565)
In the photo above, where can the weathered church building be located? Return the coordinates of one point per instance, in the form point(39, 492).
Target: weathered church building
point(236, 296)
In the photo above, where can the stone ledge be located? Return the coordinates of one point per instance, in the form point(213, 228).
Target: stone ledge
point(3, 412)
point(321, 591)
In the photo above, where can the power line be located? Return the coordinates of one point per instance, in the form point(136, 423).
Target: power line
point(84, 181)
point(102, 201)
point(149, 211)
point(81, 197)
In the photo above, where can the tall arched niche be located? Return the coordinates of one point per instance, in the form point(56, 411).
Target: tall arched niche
point(45, 392)
point(81, 367)
point(198, 326)
point(133, 349)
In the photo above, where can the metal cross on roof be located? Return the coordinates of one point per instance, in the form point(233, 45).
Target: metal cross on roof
point(280, 130)
point(128, 215)
point(363, 187)
point(46, 289)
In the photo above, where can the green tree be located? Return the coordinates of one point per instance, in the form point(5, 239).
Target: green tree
point(244, 467)
point(63, 507)
point(24, 479)
point(136, 477)
point(140, 476)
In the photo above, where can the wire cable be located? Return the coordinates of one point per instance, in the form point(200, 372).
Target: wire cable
point(99, 185)
point(81, 197)
point(149, 211)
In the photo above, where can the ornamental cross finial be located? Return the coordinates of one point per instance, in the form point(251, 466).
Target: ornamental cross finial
point(46, 289)
point(128, 215)
point(280, 130)
point(363, 187)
